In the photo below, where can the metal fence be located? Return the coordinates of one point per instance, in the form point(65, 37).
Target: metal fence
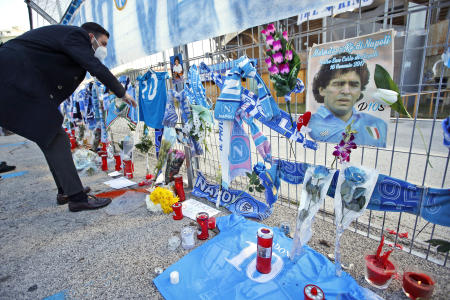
point(417, 47)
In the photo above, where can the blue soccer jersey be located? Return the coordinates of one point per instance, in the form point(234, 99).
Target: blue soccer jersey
point(152, 98)
point(326, 127)
point(225, 268)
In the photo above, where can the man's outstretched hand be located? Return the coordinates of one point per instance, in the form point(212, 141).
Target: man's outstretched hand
point(129, 100)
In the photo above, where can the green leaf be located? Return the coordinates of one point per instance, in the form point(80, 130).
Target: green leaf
point(262, 187)
point(258, 189)
point(248, 175)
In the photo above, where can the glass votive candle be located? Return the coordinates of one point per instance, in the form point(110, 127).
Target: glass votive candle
point(187, 238)
point(202, 221)
point(211, 223)
point(179, 188)
point(377, 275)
point(177, 211)
point(417, 285)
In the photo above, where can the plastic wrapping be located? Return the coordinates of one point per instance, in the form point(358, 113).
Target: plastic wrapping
point(85, 162)
point(353, 191)
point(174, 162)
point(316, 183)
point(126, 203)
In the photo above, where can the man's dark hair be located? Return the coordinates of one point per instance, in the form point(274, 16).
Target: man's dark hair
point(325, 75)
point(95, 29)
point(176, 58)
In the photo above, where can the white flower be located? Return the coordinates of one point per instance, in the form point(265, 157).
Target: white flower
point(388, 96)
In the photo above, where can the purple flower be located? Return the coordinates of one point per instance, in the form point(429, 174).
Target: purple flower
point(278, 57)
point(269, 40)
point(270, 28)
point(268, 62)
point(284, 69)
point(344, 148)
point(264, 32)
point(288, 55)
point(285, 35)
point(273, 70)
point(276, 45)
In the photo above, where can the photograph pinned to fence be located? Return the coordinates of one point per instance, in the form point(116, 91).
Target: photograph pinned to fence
point(341, 87)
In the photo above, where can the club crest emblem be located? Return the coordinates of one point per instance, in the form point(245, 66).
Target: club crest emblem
point(120, 4)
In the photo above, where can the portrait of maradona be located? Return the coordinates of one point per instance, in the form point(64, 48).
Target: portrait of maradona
point(337, 89)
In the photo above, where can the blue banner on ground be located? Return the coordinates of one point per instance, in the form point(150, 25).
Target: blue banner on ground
point(238, 202)
point(225, 268)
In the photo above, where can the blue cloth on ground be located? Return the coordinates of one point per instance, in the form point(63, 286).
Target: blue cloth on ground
point(152, 98)
point(237, 202)
point(225, 268)
point(15, 174)
point(57, 296)
point(14, 144)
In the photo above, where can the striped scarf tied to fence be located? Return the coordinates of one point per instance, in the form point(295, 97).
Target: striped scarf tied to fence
point(230, 98)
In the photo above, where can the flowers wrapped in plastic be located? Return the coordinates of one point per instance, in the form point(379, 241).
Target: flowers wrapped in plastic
point(316, 183)
point(199, 124)
point(168, 139)
point(174, 161)
point(353, 191)
point(283, 63)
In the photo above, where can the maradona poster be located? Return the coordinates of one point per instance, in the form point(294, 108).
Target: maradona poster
point(340, 88)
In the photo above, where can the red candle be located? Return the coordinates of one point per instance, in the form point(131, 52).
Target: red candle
point(378, 275)
point(128, 168)
point(212, 223)
point(118, 162)
point(179, 189)
point(104, 162)
point(178, 214)
point(417, 285)
point(264, 253)
point(202, 220)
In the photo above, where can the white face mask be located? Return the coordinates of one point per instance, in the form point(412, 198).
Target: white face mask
point(100, 52)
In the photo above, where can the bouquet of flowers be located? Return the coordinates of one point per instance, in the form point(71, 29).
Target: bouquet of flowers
point(163, 197)
point(199, 124)
point(283, 63)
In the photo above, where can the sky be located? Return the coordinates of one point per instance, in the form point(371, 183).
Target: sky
point(13, 13)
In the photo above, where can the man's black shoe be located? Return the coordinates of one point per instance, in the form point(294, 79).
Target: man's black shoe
point(64, 199)
point(91, 203)
point(5, 168)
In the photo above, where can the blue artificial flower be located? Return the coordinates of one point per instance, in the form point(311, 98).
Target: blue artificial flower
point(320, 172)
point(355, 175)
point(259, 168)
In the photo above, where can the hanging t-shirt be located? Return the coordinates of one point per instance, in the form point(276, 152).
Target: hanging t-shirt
point(152, 98)
point(225, 268)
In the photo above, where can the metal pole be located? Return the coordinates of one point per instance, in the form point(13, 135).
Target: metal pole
point(30, 13)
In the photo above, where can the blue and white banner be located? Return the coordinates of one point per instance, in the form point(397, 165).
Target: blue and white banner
point(338, 7)
point(238, 202)
point(389, 194)
point(142, 27)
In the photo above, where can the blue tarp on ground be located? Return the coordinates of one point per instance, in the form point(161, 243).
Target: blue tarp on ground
point(225, 268)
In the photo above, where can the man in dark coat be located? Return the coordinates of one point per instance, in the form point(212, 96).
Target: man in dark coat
point(38, 71)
